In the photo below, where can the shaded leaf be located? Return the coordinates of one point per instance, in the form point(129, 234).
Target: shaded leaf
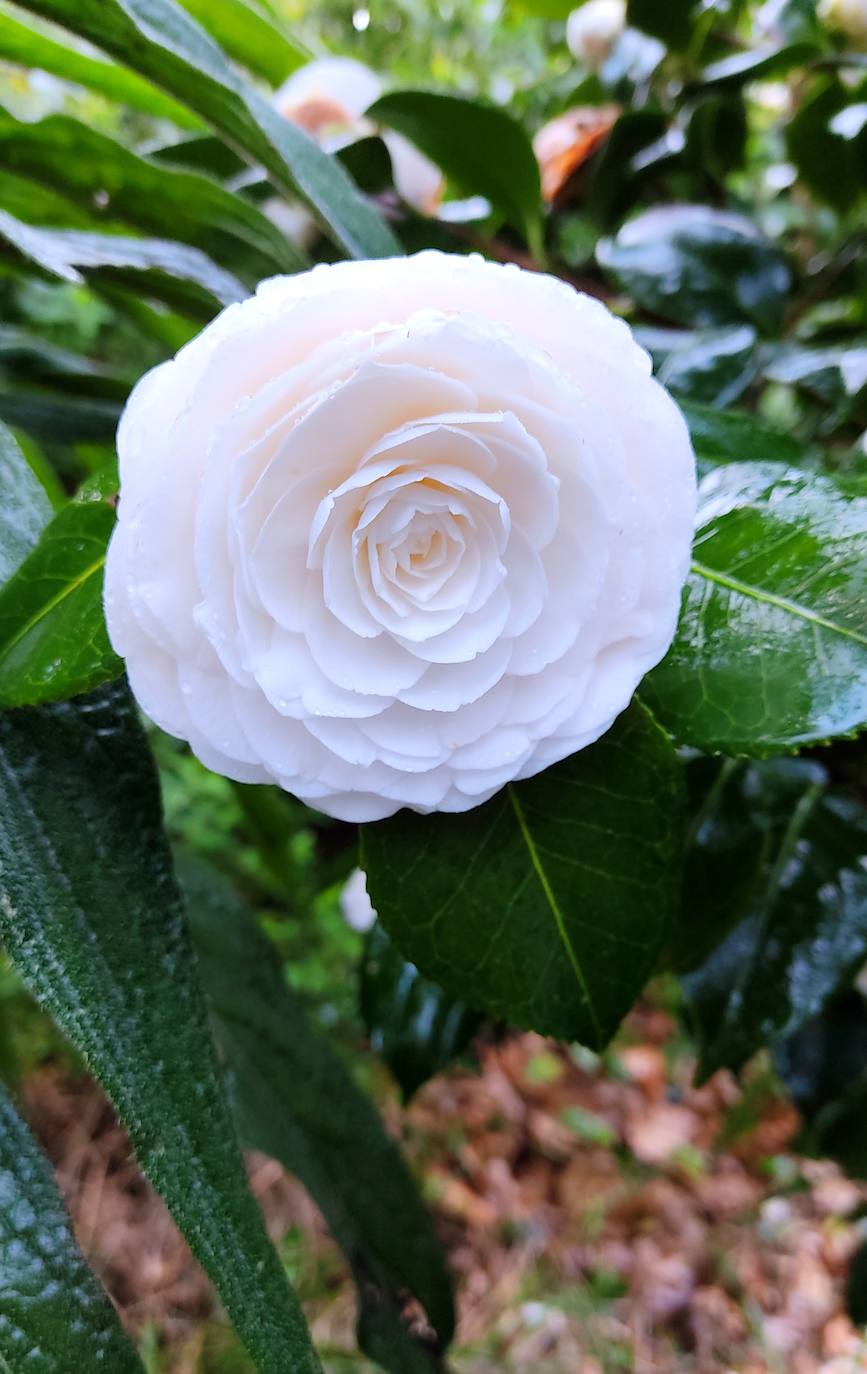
point(481, 147)
point(777, 874)
point(171, 272)
point(669, 20)
point(24, 510)
point(295, 1101)
point(771, 650)
point(548, 904)
point(91, 916)
point(700, 266)
point(734, 436)
point(714, 366)
point(57, 416)
point(758, 64)
point(91, 168)
point(415, 1026)
point(614, 175)
point(23, 44)
point(162, 42)
point(832, 166)
point(54, 1317)
point(53, 640)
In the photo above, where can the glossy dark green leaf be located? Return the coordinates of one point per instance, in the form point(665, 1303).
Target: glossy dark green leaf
point(771, 649)
point(251, 36)
point(481, 147)
point(613, 178)
point(716, 134)
point(92, 918)
point(547, 905)
point(832, 166)
point(824, 1067)
point(713, 366)
point(415, 1026)
point(295, 1101)
point(22, 44)
point(53, 640)
point(776, 876)
point(856, 1287)
point(826, 1058)
point(836, 375)
point(53, 415)
point(54, 1317)
point(669, 20)
point(700, 266)
point(159, 40)
point(172, 272)
point(734, 436)
point(93, 169)
point(24, 510)
point(29, 357)
point(758, 64)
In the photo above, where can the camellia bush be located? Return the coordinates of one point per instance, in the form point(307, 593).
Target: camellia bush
point(522, 539)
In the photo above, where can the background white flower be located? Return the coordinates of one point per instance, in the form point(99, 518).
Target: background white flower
point(593, 29)
point(393, 533)
point(849, 16)
point(328, 98)
point(355, 904)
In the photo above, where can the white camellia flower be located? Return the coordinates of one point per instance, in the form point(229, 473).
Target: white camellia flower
point(328, 98)
point(592, 31)
point(393, 533)
point(849, 16)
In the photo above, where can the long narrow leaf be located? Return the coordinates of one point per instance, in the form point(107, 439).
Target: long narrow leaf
point(22, 44)
point(255, 39)
point(161, 41)
point(54, 1317)
point(92, 917)
point(172, 272)
point(295, 1101)
point(93, 169)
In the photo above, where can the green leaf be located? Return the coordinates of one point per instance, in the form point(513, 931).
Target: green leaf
point(758, 64)
point(171, 272)
point(24, 45)
point(53, 640)
point(27, 356)
point(614, 180)
point(700, 266)
point(716, 135)
point(733, 436)
point(50, 415)
point(92, 169)
point(824, 1067)
point(93, 920)
point(832, 166)
point(714, 366)
point(295, 1101)
point(548, 904)
point(481, 147)
point(669, 20)
point(250, 36)
point(776, 878)
point(24, 510)
point(161, 41)
point(413, 1024)
point(54, 1317)
point(771, 650)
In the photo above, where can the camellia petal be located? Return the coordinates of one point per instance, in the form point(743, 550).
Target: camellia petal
point(393, 533)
